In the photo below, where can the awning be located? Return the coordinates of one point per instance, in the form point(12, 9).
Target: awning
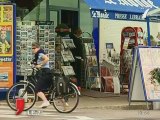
point(102, 8)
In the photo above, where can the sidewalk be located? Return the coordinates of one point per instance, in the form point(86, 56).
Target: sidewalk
point(114, 102)
point(96, 99)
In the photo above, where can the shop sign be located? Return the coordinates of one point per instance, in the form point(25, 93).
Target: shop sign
point(133, 3)
point(99, 14)
point(115, 15)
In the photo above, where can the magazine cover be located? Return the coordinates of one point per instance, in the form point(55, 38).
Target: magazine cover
point(108, 83)
point(90, 49)
point(93, 71)
point(6, 40)
point(68, 70)
point(7, 13)
point(67, 56)
point(91, 60)
point(103, 70)
point(68, 43)
point(6, 46)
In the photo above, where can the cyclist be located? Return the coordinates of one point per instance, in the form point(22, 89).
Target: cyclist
point(44, 75)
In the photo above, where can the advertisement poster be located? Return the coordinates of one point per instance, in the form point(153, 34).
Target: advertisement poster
point(6, 46)
point(6, 71)
point(150, 62)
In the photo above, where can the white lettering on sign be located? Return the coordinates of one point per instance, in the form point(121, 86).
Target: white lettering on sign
point(99, 14)
point(120, 16)
point(135, 17)
point(136, 3)
point(110, 2)
point(6, 59)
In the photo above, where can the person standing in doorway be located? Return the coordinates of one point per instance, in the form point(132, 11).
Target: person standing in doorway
point(77, 53)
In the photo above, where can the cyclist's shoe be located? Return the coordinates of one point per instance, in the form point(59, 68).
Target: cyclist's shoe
point(45, 104)
point(65, 105)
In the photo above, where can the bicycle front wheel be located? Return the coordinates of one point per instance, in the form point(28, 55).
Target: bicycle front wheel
point(67, 102)
point(23, 90)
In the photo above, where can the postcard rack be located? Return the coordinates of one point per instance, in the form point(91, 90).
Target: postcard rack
point(90, 63)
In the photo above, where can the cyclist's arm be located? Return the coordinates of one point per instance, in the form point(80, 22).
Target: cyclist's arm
point(45, 59)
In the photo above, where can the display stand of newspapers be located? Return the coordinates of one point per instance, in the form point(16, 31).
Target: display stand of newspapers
point(64, 56)
point(29, 32)
point(91, 66)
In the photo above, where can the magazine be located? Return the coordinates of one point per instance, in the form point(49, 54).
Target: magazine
point(68, 43)
point(91, 60)
point(89, 49)
point(68, 70)
point(67, 56)
point(93, 71)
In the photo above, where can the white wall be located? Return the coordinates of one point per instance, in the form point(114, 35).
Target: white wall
point(110, 31)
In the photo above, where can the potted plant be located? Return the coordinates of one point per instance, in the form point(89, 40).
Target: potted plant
point(155, 74)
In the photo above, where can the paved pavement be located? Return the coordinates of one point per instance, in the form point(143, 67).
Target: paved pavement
point(90, 100)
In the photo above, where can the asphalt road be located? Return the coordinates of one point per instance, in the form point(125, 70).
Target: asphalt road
point(81, 114)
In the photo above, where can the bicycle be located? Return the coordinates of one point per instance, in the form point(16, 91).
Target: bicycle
point(64, 102)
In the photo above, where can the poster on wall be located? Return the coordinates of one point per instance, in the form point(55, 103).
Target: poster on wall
point(6, 71)
point(6, 46)
point(7, 13)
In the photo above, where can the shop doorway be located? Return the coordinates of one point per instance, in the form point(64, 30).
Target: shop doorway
point(69, 18)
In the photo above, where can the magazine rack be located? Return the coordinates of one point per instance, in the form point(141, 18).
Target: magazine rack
point(64, 56)
point(130, 37)
point(90, 63)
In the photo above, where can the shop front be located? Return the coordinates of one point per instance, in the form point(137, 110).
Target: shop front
point(120, 27)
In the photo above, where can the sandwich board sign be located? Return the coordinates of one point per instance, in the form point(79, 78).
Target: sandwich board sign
point(142, 85)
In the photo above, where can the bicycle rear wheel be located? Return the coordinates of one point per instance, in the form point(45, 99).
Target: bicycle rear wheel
point(68, 102)
point(23, 90)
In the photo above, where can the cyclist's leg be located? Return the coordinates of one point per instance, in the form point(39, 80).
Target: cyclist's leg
point(42, 84)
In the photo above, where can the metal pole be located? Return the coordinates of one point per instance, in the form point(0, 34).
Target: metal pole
point(47, 11)
point(148, 31)
point(79, 13)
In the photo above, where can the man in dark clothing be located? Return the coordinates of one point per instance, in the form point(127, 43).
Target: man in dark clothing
point(77, 53)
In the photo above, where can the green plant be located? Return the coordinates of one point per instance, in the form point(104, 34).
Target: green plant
point(155, 74)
